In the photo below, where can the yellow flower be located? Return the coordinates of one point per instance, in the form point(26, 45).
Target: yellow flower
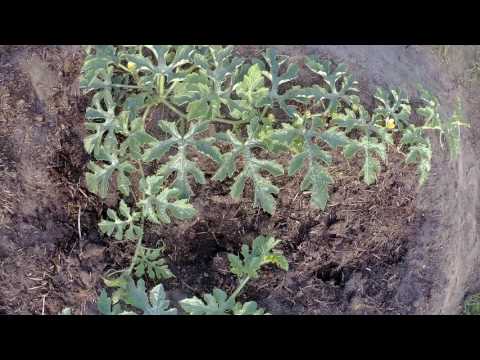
point(390, 124)
point(131, 66)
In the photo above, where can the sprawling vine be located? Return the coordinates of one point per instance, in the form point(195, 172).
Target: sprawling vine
point(201, 88)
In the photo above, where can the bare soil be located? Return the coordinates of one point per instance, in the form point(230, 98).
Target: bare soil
point(389, 248)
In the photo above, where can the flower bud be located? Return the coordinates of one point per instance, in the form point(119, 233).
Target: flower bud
point(390, 123)
point(131, 66)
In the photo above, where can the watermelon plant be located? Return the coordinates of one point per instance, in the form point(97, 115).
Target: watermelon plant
point(131, 298)
point(241, 114)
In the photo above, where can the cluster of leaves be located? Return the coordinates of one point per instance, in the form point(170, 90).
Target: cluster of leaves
point(150, 262)
point(418, 144)
point(472, 305)
point(131, 298)
point(205, 85)
point(135, 295)
point(193, 89)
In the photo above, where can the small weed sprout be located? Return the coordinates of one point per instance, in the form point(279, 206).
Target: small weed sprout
point(472, 305)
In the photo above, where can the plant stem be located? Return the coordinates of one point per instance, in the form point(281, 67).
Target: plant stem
point(174, 109)
point(145, 114)
point(125, 86)
point(161, 85)
point(231, 122)
point(123, 67)
point(239, 288)
point(113, 272)
point(142, 221)
point(264, 112)
point(170, 89)
point(137, 250)
point(184, 116)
